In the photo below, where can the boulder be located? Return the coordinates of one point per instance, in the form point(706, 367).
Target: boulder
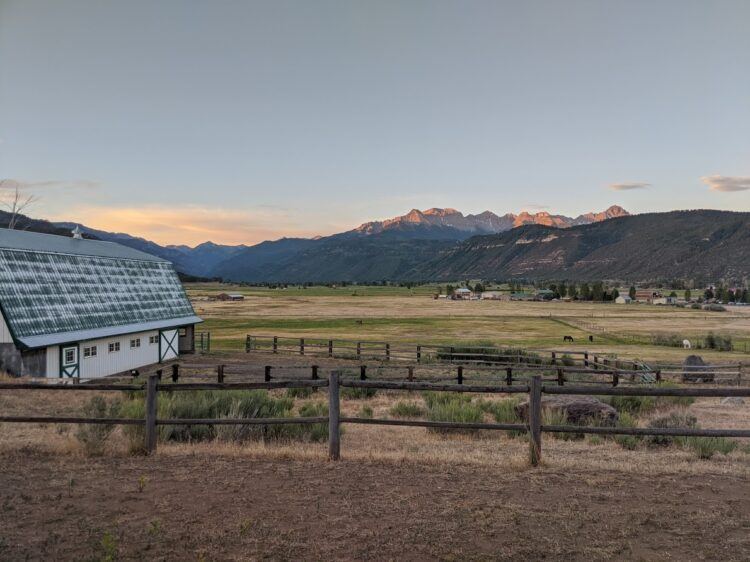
point(694, 369)
point(732, 401)
point(578, 409)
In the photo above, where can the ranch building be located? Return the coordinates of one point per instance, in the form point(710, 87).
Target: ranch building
point(230, 297)
point(71, 307)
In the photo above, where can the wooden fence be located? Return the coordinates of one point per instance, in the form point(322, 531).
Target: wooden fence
point(429, 353)
point(534, 427)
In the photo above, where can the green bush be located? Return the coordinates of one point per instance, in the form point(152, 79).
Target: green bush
point(349, 393)
point(706, 447)
point(634, 405)
point(629, 442)
point(457, 409)
point(407, 410)
point(314, 432)
point(94, 437)
point(226, 404)
point(433, 399)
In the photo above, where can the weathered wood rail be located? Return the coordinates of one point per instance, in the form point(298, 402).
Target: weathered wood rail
point(533, 427)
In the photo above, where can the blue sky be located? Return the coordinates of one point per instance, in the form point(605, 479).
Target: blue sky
point(241, 121)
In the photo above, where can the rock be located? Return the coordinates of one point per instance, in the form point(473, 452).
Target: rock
point(695, 370)
point(733, 401)
point(578, 409)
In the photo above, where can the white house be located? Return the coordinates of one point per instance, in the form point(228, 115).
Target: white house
point(85, 308)
point(623, 299)
point(463, 294)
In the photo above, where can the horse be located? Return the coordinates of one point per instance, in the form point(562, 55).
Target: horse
point(686, 344)
point(568, 339)
point(591, 338)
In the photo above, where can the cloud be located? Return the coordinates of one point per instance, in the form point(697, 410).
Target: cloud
point(193, 225)
point(48, 184)
point(627, 186)
point(727, 183)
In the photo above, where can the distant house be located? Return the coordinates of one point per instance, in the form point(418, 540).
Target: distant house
point(495, 296)
point(664, 300)
point(85, 308)
point(463, 294)
point(647, 295)
point(230, 297)
point(623, 299)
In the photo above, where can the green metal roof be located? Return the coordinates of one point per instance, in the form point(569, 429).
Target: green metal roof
point(52, 289)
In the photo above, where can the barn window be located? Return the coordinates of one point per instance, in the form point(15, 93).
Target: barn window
point(114, 346)
point(153, 339)
point(135, 343)
point(183, 332)
point(89, 351)
point(70, 356)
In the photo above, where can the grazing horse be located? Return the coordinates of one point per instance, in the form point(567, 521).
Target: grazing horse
point(686, 344)
point(591, 338)
point(568, 338)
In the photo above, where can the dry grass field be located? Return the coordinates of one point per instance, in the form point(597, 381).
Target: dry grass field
point(406, 315)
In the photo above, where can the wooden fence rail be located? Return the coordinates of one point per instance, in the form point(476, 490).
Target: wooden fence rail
point(534, 427)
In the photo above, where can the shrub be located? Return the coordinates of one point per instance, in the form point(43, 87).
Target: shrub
point(366, 412)
point(349, 393)
point(559, 417)
point(238, 404)
point(633, 405)
point(568, 361)
point(629, 442)
point(458, 409)
point(503, 411)
point(714, 308)
point(94, 437)
point(314, 432)
point(433, 399)
point(706, 447)
point(407, 410)
point(673, 420)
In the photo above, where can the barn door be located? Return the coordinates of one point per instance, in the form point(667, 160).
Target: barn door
point(167, 345)
point(69, 361)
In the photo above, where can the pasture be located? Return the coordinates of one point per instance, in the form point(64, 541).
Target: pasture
point(398, 314)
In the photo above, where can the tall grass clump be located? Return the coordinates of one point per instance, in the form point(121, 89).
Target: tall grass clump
point(93, 437)
point(300, 392)
point(349, 393)
point(681, 420)
point(504, 411)
point(707, 447)
point(403, 409)
point(629, 442)
point(458, 409)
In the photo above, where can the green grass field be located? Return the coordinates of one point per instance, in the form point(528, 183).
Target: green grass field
point(399, 314)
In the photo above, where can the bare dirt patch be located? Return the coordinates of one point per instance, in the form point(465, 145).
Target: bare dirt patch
point(185, 506)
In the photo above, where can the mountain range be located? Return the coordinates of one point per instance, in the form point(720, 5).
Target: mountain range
point(444, 244)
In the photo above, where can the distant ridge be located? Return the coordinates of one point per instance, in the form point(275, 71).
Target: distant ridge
point(484, 223)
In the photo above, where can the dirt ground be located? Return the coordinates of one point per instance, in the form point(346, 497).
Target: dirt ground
point(204, 507)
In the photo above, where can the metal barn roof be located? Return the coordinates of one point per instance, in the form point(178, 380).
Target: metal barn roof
point(55, 289)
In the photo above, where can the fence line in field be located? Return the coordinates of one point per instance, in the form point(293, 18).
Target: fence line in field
point(533, 427)
point(425, 353)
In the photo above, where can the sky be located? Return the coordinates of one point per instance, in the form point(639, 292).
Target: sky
point(240, 121)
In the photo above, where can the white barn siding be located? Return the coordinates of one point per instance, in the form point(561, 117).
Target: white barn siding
point(5, 336)
point(106, 363)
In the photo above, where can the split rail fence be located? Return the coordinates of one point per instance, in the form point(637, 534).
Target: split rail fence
point(534, 427)
point(428, 353)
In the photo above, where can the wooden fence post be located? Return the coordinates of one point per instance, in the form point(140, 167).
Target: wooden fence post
point(150, 433)
point(363, 372)
point(658, 375)
point(509, 376)
point(175, 372)
point(208, 342)
point(419, 354)
point(460, 375)
point(247, 343)
point(586, 359)
point(220, 373)
point(615, 379)
point(560, 377)
point(302, 346)
point(554, 358)
point(411, 373)
point(453, 350)
point(267, 373)
point(314, 373)
point(330, 348)
point(334, 435)
point(276, 344)
point(387, 352)
point(535, 420)
point(359, 350)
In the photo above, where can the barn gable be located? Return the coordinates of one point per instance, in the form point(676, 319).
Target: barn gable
point(55, 290)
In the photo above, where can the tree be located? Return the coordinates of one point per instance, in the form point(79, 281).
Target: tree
point(585, 292)
point(563, 290)
point(449, 289)
point(631, 292)
point(14, 201)
point(573, 291)
point(479, 288)
point(615, 294)
point(687, 295)
point(597, 291)
point(708, 294)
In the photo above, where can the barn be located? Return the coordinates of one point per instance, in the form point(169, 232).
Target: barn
point(85, 308)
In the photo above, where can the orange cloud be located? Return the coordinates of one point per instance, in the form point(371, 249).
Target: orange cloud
point(192, 225)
